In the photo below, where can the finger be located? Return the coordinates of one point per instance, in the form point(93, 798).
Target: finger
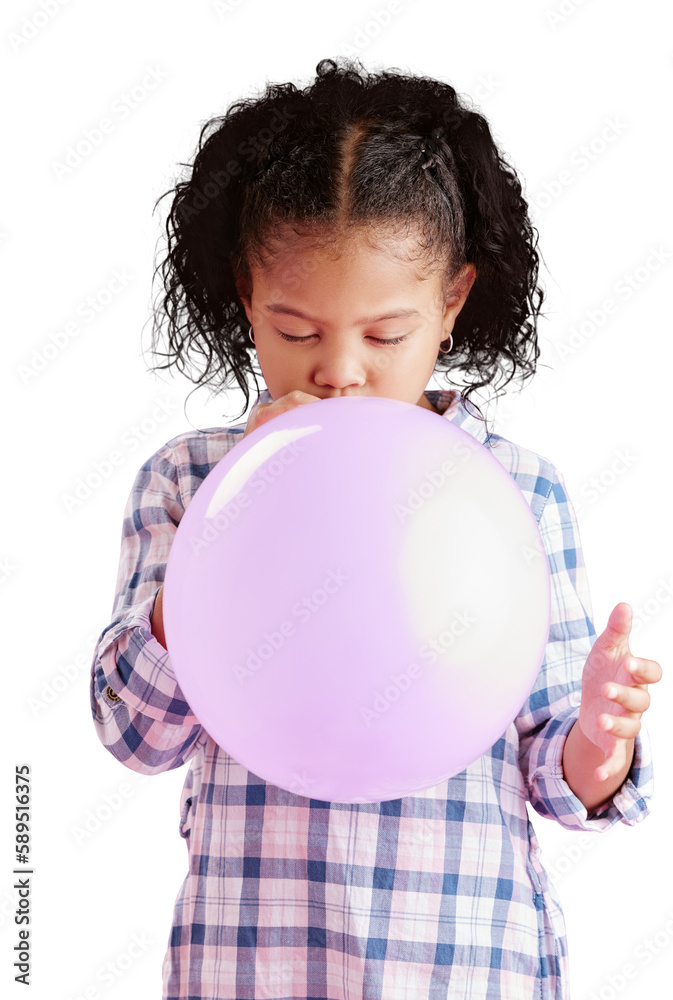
point(619, 622)
point(622, 726)
point(606, 770)
point(644, 671)
point(613, 763)
point(609, 767)
point(633, 699)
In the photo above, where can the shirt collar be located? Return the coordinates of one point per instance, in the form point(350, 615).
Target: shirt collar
point(450, 403)
point(454, 407)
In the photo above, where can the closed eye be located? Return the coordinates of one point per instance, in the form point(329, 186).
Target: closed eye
point(297, 340)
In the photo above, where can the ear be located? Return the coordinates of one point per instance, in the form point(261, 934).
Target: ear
point(242, 288)
point(459, 292)
point(243, 292)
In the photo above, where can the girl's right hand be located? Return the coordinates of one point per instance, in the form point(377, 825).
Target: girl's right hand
point(266, 411)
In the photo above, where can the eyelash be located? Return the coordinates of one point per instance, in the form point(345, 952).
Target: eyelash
point(295, 340)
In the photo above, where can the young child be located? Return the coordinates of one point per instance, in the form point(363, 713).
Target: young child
point(361, 233)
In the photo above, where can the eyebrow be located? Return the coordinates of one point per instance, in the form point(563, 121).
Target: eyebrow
point(277, 308)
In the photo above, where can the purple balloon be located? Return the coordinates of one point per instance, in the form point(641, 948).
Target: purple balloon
point(357, 600)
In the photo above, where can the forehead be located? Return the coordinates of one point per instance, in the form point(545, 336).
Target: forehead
point(369, 259)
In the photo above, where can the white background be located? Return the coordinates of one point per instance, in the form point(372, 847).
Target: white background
point(550, 77)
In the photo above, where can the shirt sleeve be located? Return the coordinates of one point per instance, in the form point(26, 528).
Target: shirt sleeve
point(139, 712)
point(552, 707)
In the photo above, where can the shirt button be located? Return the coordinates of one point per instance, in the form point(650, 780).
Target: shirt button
point(111, 694)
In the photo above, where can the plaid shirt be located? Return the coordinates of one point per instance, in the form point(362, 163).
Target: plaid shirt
point(438, 894)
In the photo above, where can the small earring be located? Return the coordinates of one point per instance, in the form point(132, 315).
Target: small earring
point(250, 335)
point(449, 347)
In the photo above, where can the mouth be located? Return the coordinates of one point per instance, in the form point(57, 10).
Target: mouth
point(345, 395)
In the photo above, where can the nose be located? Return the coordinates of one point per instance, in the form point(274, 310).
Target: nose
point(339, 367)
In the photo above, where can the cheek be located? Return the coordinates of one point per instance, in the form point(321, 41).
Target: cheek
point(388, 365)
point(282, 369)
point(397, 366)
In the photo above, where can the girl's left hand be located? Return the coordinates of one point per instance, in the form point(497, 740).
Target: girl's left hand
point(611, 720)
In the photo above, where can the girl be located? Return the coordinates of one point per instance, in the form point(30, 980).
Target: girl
point(359, 234)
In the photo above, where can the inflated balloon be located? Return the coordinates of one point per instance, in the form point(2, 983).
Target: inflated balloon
point(357, 600)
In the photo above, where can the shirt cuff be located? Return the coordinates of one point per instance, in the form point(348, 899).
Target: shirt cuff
point(138, 669)
point(628, 805)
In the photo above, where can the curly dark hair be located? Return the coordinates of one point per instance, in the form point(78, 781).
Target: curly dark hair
point(351, 150)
